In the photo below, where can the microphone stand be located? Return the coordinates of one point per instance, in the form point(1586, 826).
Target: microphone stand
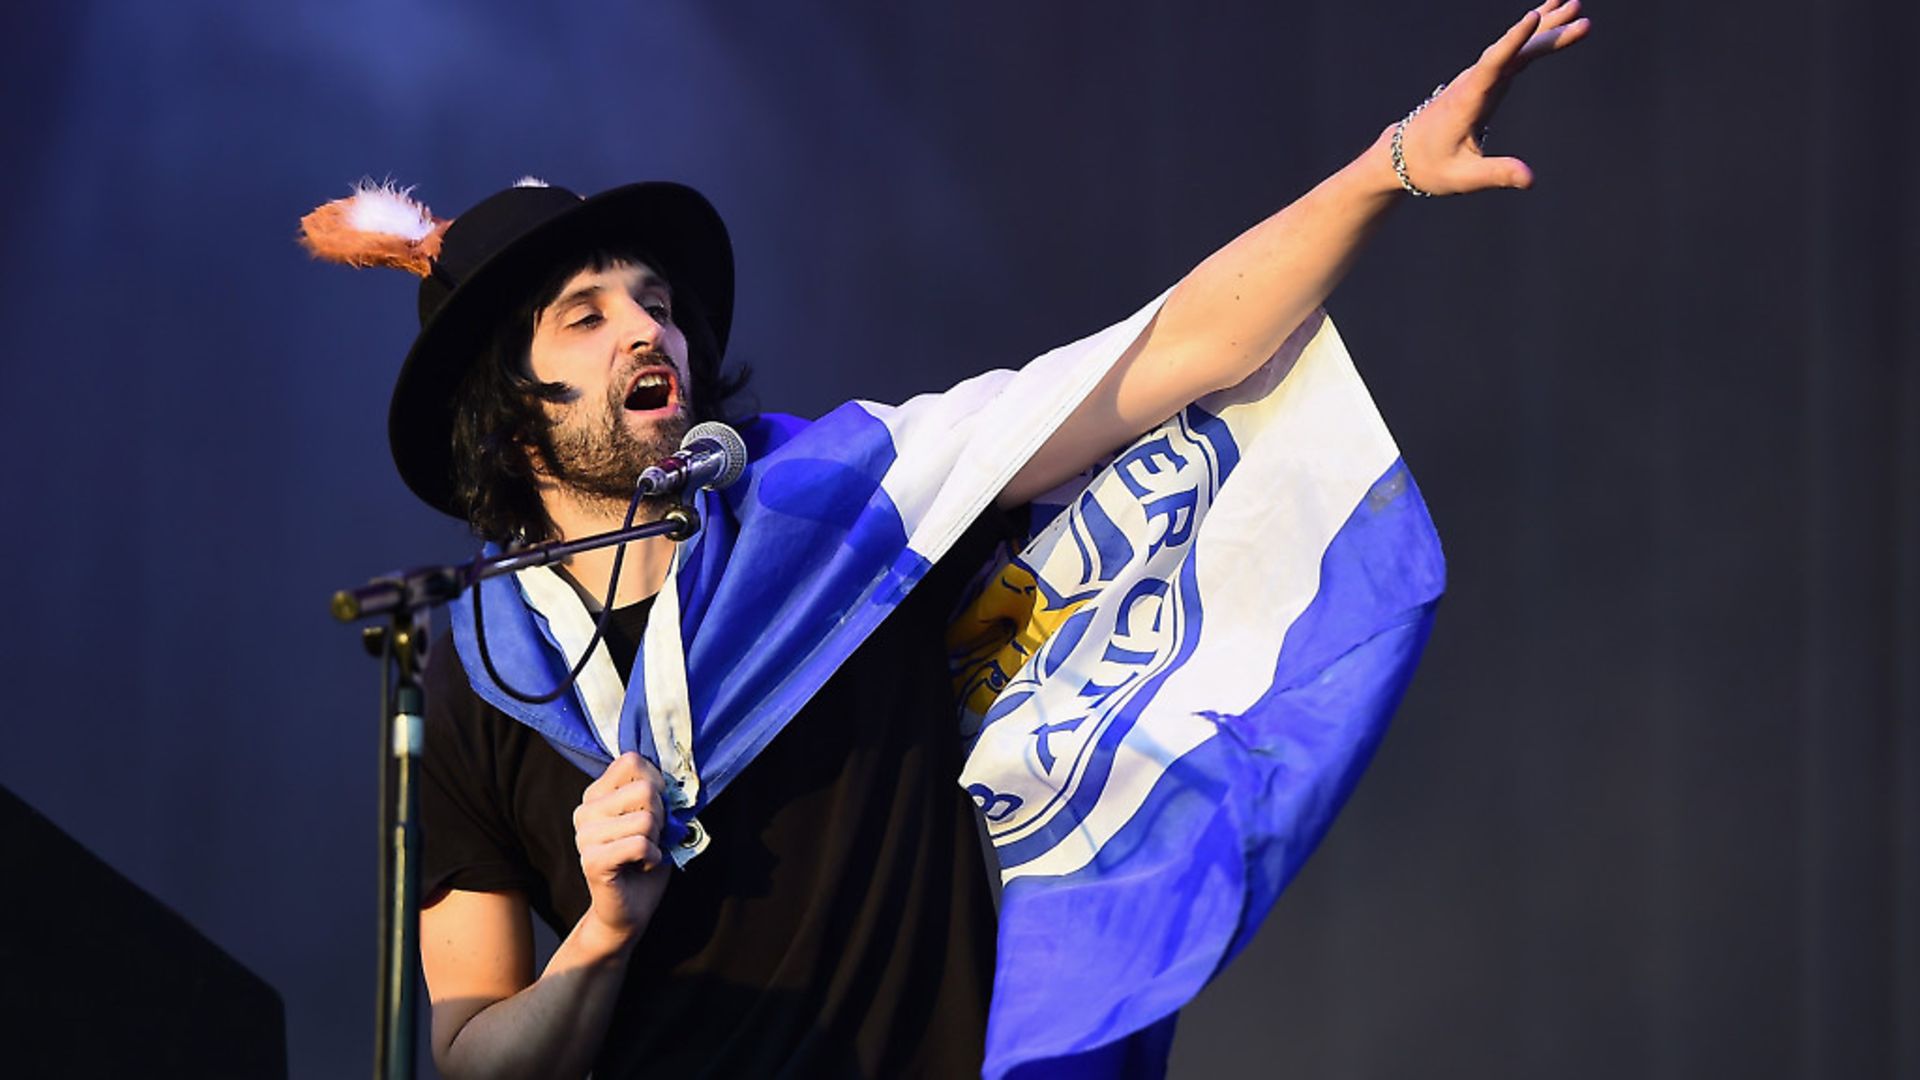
point(406, 597)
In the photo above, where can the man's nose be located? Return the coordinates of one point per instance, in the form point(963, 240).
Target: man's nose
point(643, 330)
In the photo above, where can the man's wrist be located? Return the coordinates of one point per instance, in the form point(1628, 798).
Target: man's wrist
point(1368, 181)
point(1373, 169)
point(600, 942)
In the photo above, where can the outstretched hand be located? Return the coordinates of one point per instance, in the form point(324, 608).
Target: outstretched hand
point(1442, 147)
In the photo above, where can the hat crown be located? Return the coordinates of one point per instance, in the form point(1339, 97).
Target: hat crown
point(481, 232)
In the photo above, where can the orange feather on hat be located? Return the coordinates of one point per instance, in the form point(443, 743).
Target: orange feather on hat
point(378, 225)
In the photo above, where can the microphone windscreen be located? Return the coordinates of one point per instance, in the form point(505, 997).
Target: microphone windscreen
point(730, 444)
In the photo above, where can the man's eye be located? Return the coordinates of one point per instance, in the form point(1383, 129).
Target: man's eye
point(658, 309)
point(584, 322)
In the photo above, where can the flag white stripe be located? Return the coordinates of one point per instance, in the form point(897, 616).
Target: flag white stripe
point(600, 688)
point(987, 428)
point(1315, 436)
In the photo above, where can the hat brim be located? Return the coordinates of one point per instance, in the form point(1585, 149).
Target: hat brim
point(670, 222)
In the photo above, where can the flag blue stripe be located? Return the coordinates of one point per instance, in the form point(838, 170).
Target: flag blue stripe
point(526, 655)
point(801, 562)
point(1213, 435)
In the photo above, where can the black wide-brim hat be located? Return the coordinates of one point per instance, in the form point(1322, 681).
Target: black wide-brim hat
point(493, 256)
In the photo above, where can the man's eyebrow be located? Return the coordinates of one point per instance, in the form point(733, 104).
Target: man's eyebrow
point(584, 292)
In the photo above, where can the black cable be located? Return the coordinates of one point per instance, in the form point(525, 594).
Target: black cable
point(599, 627)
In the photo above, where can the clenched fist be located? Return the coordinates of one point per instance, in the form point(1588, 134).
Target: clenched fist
point(617, 829)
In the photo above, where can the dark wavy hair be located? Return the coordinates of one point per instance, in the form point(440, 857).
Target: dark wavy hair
point(498, 422)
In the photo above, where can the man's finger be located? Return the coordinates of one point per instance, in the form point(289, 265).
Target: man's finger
point(595, 833)
point(1552, 15)
point(637, 851)
point(636, 797)
point(624, 770)
point(1505, 172)
point(641, 794)
point(1559, 37)
point(1494, 61)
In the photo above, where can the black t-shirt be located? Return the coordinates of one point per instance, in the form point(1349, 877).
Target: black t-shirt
point(840, 923)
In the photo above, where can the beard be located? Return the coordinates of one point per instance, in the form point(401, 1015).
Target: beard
point(599, 461)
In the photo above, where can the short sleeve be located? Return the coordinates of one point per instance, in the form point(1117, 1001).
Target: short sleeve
point(467, 839)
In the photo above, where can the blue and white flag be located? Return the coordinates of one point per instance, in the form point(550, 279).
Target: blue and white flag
point(1175, 685)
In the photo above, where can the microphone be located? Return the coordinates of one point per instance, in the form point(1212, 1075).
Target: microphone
point(711, 456)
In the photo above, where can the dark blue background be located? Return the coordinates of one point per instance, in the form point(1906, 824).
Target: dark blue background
point(1653, 806)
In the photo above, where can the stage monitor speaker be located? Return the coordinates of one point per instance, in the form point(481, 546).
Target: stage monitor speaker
point(99, 979)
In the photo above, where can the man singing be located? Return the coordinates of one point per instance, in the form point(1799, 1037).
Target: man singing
point(742, 818)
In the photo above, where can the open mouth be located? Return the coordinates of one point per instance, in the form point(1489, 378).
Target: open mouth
point(651, 391)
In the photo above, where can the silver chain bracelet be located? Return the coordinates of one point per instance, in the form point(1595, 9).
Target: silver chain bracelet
point(1399, 154)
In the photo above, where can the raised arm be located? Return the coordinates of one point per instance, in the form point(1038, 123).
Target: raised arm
point(1230, 313)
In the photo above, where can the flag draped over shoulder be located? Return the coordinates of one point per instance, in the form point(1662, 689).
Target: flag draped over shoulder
point(797, 562)
point(1174, 685)
point(1177, 684)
